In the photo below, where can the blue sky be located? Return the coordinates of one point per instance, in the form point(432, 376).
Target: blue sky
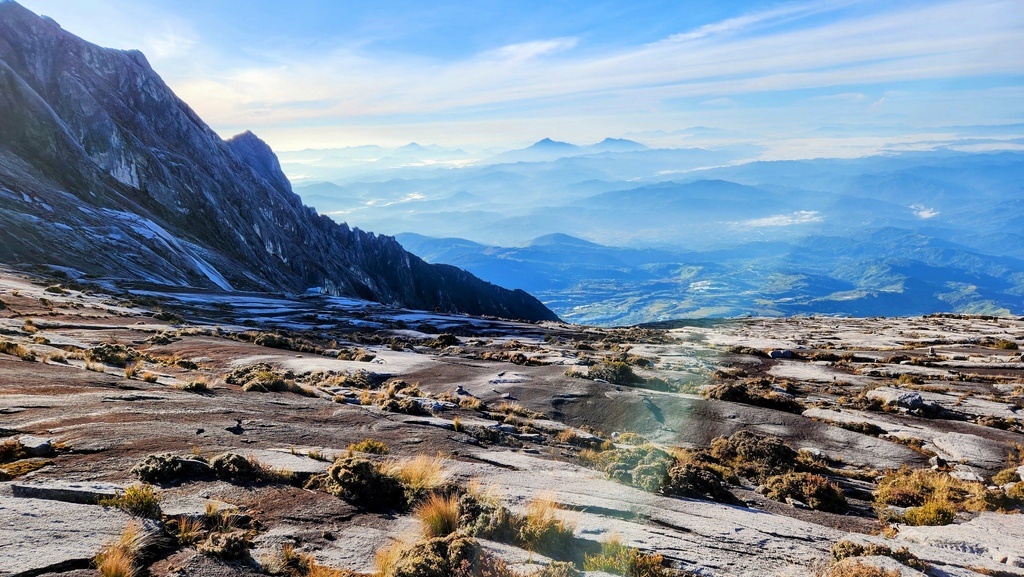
point(801, 79)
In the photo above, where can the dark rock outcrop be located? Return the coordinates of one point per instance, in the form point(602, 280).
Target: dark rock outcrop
point(104, 170)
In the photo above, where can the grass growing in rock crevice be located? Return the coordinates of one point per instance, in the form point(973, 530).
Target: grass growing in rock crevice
point(619, 559)
point(120, 558)
point(137, 500)
point(935, 497)
point(705, 473)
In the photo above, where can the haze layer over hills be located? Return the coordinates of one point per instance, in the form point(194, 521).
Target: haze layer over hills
point(616, 233)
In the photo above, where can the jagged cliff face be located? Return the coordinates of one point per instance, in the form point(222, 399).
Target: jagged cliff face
point(103, 169)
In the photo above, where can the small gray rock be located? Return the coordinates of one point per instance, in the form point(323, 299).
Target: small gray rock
point(36, 446)
point(969, 476)
point(897, 397)
point(795, 503)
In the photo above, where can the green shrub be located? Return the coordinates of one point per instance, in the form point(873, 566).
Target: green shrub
point(1007, 475)
point(753, 393)
point(694, 481)
point(859, 569)
point(558, 569)
point(263, 378)
point(113, 354)
point(618, 559)
point(616, 372)
point(447, 556)
point(362, 483)
point(645, 467)
point(631, 439)
point(931, 513)
point(845, 549)
point(369, 446)
point(138, 500)
point(443, 341)
point(814, 490)
point(168, 468)
point(540, 529)
point(754, 456)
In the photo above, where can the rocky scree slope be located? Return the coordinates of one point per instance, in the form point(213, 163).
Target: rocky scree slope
point(103, 169)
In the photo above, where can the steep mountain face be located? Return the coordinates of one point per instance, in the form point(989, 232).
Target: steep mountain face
point(104, 170)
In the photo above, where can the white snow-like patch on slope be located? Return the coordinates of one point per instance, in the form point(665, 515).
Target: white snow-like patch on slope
point(149, 229)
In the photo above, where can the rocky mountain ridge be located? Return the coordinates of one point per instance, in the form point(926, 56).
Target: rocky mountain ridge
point(105, 171)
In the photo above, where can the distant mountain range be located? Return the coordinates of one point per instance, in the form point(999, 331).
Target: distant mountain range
point(875, 272)
point(547, 150)
point(104, 171)
point(653, 234)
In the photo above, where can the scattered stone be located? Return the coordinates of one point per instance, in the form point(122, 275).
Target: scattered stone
point(36, 446)
point(796, 504)
point(969, 476)
point(284, 460)
point(68, 492)
point(897, 397)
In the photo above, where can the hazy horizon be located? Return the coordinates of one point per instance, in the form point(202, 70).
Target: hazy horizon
point(797, 80)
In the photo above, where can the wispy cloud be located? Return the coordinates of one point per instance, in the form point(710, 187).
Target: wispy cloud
point(718, 62)
point(798, 217)
point(759, 71)
point(921, 211)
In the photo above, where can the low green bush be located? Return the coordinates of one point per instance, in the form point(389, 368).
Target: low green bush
point(815, 491)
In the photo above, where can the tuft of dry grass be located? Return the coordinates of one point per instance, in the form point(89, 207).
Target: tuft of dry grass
point(369, 446)
point(149, 377)
point(858, 569)
point(95, 367)
point(23, 353)
point(543, 530)
point(439, 515)
point(11, 450)
point(119, 558)
point(471, 403)
point(187, 530)
point(197, 384)
point(419, 474)
point(366, 397)
point(131, 370)
point(386, 559)
point(457, 425)
point(518, 410)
